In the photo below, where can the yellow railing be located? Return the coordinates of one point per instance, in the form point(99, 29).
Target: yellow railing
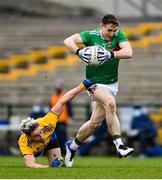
point(49, 59)
point(141, 34)
point(35, 61)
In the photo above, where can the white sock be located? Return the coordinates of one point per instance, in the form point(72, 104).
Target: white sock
point(73, 145)
point(118, 142)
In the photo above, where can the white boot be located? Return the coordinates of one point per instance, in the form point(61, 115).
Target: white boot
point(69, 154)
point(124, 151)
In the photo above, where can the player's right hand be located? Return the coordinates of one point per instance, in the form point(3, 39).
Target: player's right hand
point(104, 55)
point(56, 163)
point(84, 55)
point(87, 84)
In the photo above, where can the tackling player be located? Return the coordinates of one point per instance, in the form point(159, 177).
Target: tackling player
point(117, 47)
point(38, 138)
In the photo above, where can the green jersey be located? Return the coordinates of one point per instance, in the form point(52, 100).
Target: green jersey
point(106, 73)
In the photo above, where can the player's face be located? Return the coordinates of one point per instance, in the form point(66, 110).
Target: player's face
point(108, 30)
point(37, 135)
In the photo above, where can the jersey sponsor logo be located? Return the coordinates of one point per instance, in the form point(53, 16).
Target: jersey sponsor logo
point(47, 128)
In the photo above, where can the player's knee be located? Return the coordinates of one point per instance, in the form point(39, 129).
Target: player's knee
point(110, 106)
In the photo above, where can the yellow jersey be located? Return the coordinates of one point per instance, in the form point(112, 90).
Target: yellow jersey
point(48, 125)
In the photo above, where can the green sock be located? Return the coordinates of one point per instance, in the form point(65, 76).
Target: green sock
point(115, 136)
point(117, 141)
point(75, 144)
point(77, 141)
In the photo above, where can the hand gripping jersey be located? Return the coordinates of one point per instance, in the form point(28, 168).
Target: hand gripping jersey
point(48, 124)
point(108, 72)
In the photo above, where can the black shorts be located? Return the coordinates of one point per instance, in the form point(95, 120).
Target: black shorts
point(52, 145)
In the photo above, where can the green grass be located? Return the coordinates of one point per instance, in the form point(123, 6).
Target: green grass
point(85, 167)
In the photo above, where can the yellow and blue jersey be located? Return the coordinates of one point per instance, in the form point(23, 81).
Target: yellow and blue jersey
point(48, 125)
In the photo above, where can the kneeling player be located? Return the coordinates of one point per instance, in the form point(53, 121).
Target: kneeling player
point(38, 135)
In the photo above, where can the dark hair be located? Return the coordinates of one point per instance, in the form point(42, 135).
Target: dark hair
point(109, 18)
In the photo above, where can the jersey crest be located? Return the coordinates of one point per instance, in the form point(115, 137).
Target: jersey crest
point(109, 44)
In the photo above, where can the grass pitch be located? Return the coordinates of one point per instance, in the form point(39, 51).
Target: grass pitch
point(85, 167)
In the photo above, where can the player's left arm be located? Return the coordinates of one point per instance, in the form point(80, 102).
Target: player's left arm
point(125, 51)
point(58, 108)
point(30, 162)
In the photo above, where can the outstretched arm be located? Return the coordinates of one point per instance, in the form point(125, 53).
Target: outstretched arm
point(66, 98)
point(58, 108)
point(30, 162)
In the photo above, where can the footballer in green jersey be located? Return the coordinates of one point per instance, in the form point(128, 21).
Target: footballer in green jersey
point(115, 47)
point(106, 73)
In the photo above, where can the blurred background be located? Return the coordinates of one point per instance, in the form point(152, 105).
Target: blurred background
point(33, 59)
